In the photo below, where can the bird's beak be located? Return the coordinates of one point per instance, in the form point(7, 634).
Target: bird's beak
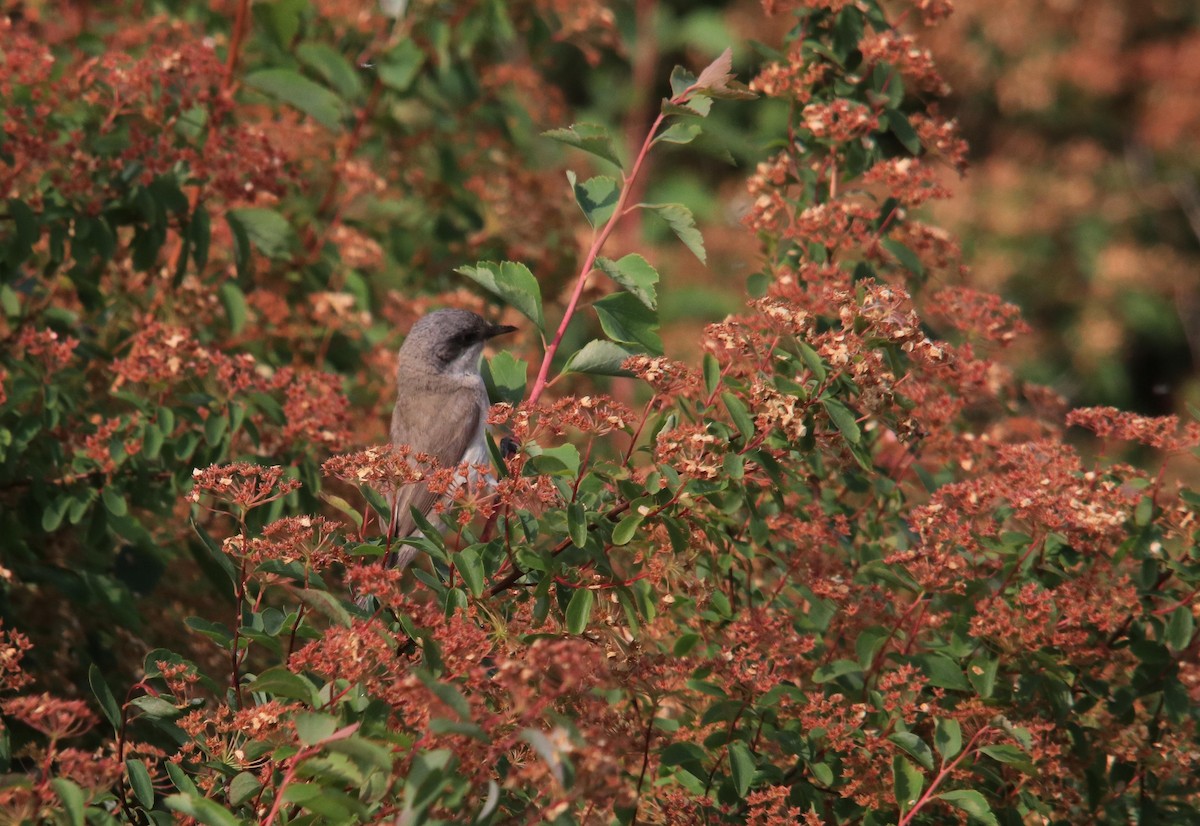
point(500, 329)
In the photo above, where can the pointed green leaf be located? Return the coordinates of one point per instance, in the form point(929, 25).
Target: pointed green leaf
point(845, 421)
point(740, 414)
point(108, 703)
point(682, 224)
point(577, 526)
point(971, 802)
point(264, 228)
point(505, 377)
point(401, 65)
point(627, 320)
point(242, 787)
point(234, 302)
point(635, 274)
point(512, 282)
point(72, 798)
point(470, 566)
point(947, 738)
point(597, 197)
point(712, 373)
point(741, 767)
point(296, 90)
point(684, 131)
point(313, 728)
point(140, 782)
point(202, 809)
point(332, 66)
point(579, 610)
point(589, 137)
point(681, 81)
point(904, 132)
point(915, 747)
point(600, 358)
point(907, 782)
point(279, 682)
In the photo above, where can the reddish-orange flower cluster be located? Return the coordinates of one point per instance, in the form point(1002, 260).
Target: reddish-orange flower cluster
point(1162, 432)
point(242, 484)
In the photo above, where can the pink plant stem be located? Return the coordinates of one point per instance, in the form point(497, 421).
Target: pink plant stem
point(597, 244)
point(942, 775)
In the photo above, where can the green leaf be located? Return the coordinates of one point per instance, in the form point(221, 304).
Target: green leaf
point(579, 610)
point(469, 564)
point(589, 137)
point(265, 229)
point(627, 320)
point(325, 603)
point(332, 66)
point(577, 526)
point(982, 674)
point(915, 747)
point(626, 528)
point(635, 274)
point(812, 361)
point(904, 256)
point(241, 787)
point(947, 738)
point(741, 767)
point(943, 672)
point(72, 798)
point(215, 553)
point(1179, 628)
point(505, 377)
point(108, 703)
point(680, 219)
point(597, 197)
point(681, 132)
point(903, 130)
point(296, 90)
point(599, 358)
point(560, 460)
point(712, 373)
point(835, 669)
point(971, 802)
point(202, 809)
point(740, 414)
point(447, 693)
point(280, 682)
point(511, 282)
point(140, 782)
point(401, 65)
point(234, 302)
point(114, 501)
point(54, 513)
point(907, 782)
point(681, 81)
point(1010, 755)
point(313, 728)
point(843, 419)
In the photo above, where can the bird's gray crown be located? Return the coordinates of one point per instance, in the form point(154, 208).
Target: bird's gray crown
point(440, 338)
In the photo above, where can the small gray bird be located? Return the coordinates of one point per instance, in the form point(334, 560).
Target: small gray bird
point(441, 405)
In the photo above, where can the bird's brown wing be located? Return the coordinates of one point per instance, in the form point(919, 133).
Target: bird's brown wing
point(442, 424)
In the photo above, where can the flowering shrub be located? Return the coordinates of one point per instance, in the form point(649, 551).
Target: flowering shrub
point(840, 567)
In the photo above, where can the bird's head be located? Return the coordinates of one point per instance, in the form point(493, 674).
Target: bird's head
point(449, 341)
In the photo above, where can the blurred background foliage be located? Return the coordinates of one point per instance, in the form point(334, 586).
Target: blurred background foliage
point(1083, 203)
point(374, 152)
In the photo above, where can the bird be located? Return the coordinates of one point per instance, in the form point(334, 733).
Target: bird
point(441, 406)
